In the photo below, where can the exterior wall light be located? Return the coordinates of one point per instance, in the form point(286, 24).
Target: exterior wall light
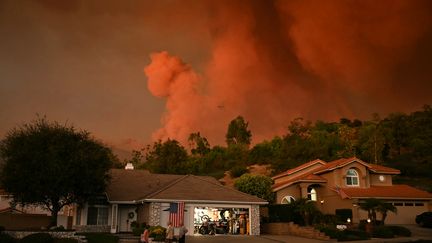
point(348, 220)
point(368, 220)
point(322, 201)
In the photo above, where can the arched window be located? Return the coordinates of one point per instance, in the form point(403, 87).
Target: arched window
point(287, 199)
point(352, 178)
point(312, 194)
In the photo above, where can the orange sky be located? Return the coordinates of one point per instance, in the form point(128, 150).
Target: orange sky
point(132, 71)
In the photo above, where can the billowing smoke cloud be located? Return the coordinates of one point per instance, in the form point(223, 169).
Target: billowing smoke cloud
point(274, 61)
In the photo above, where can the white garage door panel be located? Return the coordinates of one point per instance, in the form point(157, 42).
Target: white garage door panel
point(405, 214)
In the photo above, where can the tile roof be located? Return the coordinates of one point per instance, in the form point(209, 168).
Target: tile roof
point(138, 185)
point(308, 177)
point(198, 188)
point(313, 175)
point(345, 161)
point(300, 167)
point(11, 210)
point(382, 169)
point(389, 192)
point(130, 185)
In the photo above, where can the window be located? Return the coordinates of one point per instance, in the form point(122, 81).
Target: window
point(287, 200)
point(352, 178)
point(312, 194)
point(419, 204)
point(97, 215)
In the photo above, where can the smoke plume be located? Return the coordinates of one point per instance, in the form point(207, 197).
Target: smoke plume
point(272, 61)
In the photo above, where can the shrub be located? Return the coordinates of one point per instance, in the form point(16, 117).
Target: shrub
point(59, 228)
point(100, 238)
point(38, 238)
point(344, 214)
point(5, 238)
point(330, 231)
point(65, 240)
point(2, 228)
point(137, 231)
point(382, 232)
point(327, 219)
point(400, 230)
point(349, 234)
point(284, 213)
point(157, 233)
point(238, 171)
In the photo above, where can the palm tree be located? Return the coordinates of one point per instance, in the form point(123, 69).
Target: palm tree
point(306, 209)
point(371, 206)
point(383, 208)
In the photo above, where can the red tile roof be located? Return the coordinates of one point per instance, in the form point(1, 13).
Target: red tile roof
point(313, 175)
point(300, 167)
point(301, 178)
point(343, 162)
point(388, 192)
point(382, 169)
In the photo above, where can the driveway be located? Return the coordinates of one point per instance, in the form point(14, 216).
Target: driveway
point(249, 239)
point(418, 231)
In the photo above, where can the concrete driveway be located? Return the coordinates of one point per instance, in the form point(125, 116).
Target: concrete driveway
point(250, 239)
point(417, 233)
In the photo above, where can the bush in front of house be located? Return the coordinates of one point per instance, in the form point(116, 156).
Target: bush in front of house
point(284, 213)
point(65, 240)
point(342, 235)
point(400, 230)
point(38, 238)
point(344, 214)
point(100, 238)
point(157, 233)
point(382, 232)
point(327, 219)
point(329, 230)
point(5, 238)
point(352, 234)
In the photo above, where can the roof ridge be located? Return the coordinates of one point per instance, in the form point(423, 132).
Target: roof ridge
point(232, 189)
point(300, 167)
point(165, 187)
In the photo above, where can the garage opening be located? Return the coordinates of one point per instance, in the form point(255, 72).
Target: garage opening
point(212, 221)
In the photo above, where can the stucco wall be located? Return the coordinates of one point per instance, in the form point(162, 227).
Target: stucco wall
point(293, 190)
point(374, 180)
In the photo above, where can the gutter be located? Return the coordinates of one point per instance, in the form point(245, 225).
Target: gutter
point(202, 201)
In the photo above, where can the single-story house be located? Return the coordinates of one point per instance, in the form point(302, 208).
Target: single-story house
point(347, 182)
point(137, 195)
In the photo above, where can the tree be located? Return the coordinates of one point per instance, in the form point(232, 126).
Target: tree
point(306, 208)
point(167, 157)
point(199, 145)
point(53, 165)
point(384, 208)
point(238, 132)
point(371, 206)
point(256, 185)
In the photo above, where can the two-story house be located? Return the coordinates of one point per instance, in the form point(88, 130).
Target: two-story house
point(344, 183)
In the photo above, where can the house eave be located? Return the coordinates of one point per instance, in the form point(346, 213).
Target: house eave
point(299, 181)
point(395, 198)
point(203, 201)
point(124, 202)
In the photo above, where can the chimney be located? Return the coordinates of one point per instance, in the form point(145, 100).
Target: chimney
point(129, 166)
